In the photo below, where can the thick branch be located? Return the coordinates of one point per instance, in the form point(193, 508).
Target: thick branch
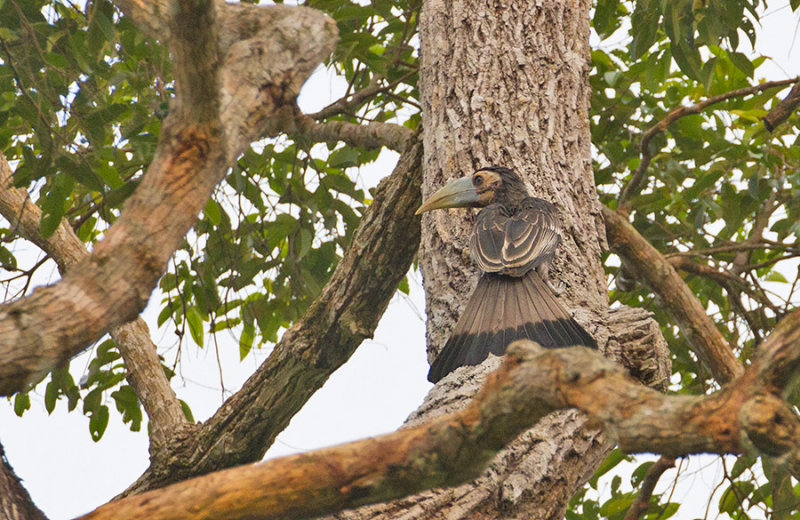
point(635, 183)
point(262, 72)
point(346, 312)
point(650, 266)
point(145, 373)
point(531, 383)
point(194, 49)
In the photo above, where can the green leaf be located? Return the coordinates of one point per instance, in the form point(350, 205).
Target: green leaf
point(50, 396)
point(775, 276)
point(246, 339)
point(668, 511)
point(639, 473)
point(92, 401)
point(403, 285)
point(343, 158)
point(617, 504)
point(644, 26)
point(128, 405)
point(22, 402)
point(98, 423)
point(7, 260)
point(734, 495)
point(742, 63)
point(164, 315)
point(213, 212)
point(195, 322)
point(614, 458)
point(187, 411)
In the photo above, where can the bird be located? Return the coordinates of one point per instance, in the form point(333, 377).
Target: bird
point(513, 241)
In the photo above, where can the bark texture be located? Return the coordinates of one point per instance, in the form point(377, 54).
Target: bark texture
point(450, 449)
point(506, 83)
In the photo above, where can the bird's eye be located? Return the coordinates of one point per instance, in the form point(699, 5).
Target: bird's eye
point(477, 181)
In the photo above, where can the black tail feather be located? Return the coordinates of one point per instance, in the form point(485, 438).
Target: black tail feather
point(501, 310)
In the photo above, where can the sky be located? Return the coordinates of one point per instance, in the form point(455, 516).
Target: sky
point(68, 474)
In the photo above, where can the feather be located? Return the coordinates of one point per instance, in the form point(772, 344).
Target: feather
point(503, 309)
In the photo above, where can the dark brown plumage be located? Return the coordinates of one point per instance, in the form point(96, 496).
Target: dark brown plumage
point(514, 237)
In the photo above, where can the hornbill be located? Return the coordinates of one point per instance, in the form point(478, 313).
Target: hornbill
point(514, 238)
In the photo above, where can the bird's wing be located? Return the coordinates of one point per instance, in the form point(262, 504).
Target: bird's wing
point(515, 243)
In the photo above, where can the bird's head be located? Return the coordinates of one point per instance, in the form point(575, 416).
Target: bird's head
point(486, 186)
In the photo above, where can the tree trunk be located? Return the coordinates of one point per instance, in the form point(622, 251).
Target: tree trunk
point(506, 83)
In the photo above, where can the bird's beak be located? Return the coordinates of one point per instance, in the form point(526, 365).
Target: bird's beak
point(458, 194)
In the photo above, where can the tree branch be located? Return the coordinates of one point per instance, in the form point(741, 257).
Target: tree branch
point(531, 383)
point(635, 183)
point(650, 266)
point(145, 373)
point(732, 283)
point(654, 472)
point(345, 313)
point(371, 135)
point(262, 71)
point(783, 110)
point(351, 102)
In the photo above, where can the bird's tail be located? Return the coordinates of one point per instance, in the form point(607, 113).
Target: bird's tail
point(503, 309)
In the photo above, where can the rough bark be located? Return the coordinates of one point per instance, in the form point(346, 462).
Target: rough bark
point(784, 109)
point(452, 448)
point(507, 84)
point(251, 65)
point(367, 135)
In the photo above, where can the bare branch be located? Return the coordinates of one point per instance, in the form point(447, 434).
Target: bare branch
point(350, 103)
point(635, 183)
point(732, 283)
point(650, 266)
point(757, 233)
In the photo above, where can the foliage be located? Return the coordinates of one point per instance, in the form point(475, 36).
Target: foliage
point(79, 89)
point(719, 190)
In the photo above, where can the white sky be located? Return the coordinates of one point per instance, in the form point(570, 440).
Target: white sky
point(68, 474)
